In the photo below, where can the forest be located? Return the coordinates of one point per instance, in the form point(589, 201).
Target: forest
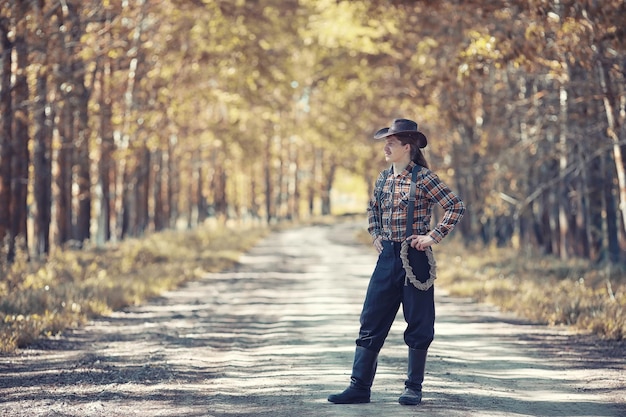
point(120, 118)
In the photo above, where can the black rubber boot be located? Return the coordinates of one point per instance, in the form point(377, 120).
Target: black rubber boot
point(412, 394)
point(363, 371)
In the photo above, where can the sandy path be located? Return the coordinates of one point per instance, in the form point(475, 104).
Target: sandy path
point(276, 336)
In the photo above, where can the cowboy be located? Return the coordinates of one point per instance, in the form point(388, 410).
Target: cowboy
point(399, 216)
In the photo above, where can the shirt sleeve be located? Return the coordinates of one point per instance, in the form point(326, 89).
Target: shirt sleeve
point(454, 208)
point(374, 213)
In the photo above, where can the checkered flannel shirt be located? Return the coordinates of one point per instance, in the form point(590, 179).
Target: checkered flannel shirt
point(387, 209)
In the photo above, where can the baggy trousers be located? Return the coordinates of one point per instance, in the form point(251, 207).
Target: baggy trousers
point(385, 293)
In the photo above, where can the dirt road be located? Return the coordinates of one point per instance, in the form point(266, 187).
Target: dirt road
point(276, 336)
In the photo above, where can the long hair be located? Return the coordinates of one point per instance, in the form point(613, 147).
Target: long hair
point(416, 153)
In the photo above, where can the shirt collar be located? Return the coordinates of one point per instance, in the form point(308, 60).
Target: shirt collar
point(406, 172)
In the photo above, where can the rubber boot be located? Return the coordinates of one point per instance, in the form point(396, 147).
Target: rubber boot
point(412, 394)
point(363, 371)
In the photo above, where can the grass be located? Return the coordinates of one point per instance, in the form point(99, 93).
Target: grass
point(43, 299)
point(541, 289)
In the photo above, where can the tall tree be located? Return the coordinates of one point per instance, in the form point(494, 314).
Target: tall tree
point(6, 122)
point(80, 103)
point(21, 134)
point(42, 152)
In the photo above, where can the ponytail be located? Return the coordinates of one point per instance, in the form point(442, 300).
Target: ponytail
point(416, 153)
point(418, 157)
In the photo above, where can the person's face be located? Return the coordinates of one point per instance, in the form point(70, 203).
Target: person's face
point(395, 151)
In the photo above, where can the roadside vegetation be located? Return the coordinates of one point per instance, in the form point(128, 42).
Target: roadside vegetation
point(73, 286)
point(542, 289)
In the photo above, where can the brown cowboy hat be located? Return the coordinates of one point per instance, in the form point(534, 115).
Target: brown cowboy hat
point(403, 127)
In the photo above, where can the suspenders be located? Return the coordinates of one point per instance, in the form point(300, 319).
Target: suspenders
point(410, 215)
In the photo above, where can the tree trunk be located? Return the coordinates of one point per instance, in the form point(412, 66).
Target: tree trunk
point(83, 178)
point(614, 119)
point(64, 176)
point(267, 161)
point(42, 161)
point(191, 214)
point(201, 202)
point(221, 197)
point(105, 163)
point(254, 205)
point(159, 218)
point(127, 204)
point(563, 200)
point(315, 163)
point(282, 180)
point(6, 136)
point(143, 190)
point(596, 208)
point(294, 188)
point(610, 204)
point(21, 159)
point(125, 195)
point(83, 165)
point(582, 211)
point(80, 106)
point(173, 184)
point(327, 187)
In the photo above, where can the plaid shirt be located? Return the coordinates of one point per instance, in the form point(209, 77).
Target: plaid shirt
point(387, 209)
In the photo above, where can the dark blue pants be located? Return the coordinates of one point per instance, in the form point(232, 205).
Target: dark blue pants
point(385, 293)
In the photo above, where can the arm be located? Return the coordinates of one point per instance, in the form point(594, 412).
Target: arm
point(441, 194)
point(374, 212)
point(449, 201)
